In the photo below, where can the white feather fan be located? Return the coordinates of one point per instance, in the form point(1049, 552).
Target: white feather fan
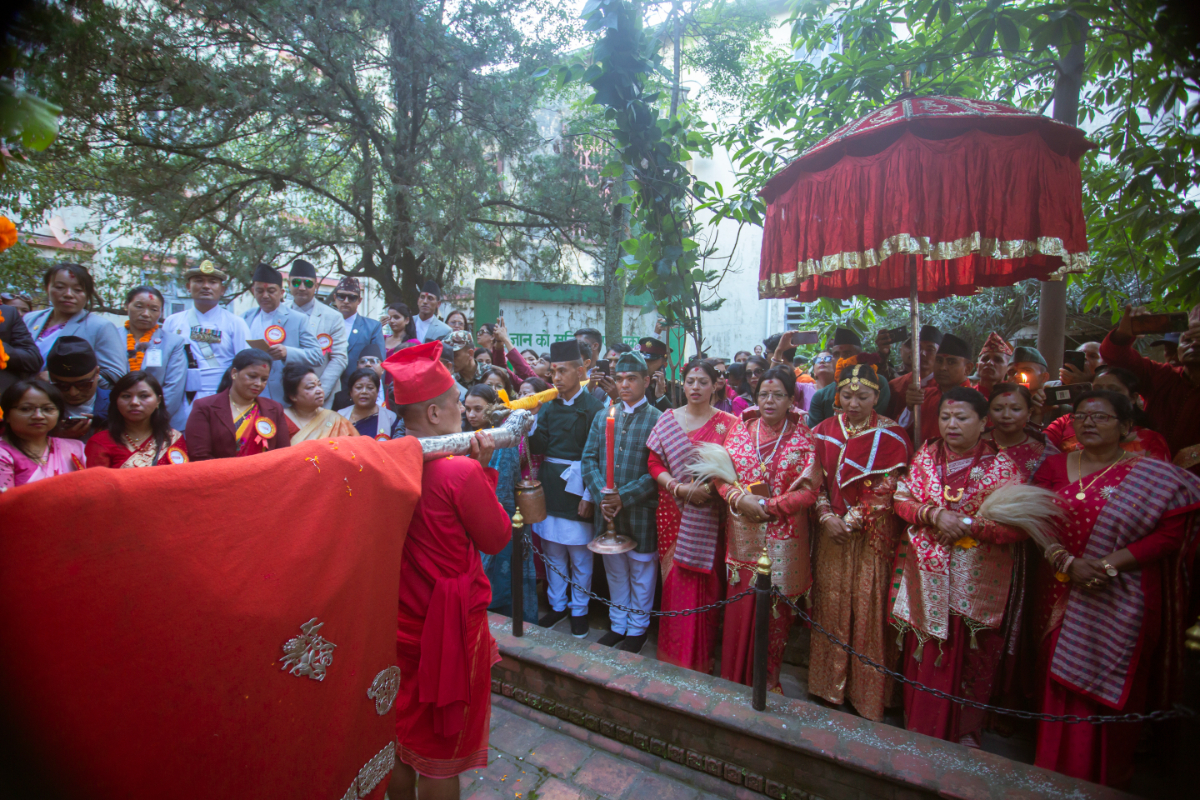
point(1030, 508)
point(712, 461)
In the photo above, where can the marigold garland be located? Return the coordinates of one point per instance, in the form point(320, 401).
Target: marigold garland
point(135, 360)
point(8, 233)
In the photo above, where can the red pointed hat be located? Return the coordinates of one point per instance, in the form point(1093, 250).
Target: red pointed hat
point(996, 342)
point(418, 373)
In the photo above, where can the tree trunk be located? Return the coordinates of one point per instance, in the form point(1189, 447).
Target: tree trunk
point(614, 286)
point(1052, 307)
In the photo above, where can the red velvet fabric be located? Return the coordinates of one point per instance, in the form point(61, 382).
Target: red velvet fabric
point(1008, 188)
point(147, 612)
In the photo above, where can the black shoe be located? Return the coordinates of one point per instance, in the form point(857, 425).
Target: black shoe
point(552, 619)
point(633, 644)
point(610, 638)
point(579, 626)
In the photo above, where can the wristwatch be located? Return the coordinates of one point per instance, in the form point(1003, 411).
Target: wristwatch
point(968, 521)
point(1109, 569)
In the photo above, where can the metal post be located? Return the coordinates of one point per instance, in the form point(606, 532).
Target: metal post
point(914, 320)
point(762, 621)
point(1188, 743)
point(518, 574)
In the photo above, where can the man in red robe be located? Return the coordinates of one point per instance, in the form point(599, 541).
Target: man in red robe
point(443, 647)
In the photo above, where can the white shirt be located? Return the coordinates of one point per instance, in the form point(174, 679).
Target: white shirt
point(263, 320)
point(629, 409)
point(422, 326)
point(349, 322)
point(234, 333)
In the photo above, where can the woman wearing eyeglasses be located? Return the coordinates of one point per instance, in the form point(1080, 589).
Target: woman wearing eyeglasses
point(957, 570)
point(28, 452)
point(1111, 596)
point(756, 367)
point(778, 476)
point(1141, 439)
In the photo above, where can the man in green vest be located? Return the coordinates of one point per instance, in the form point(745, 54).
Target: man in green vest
point(560, 435)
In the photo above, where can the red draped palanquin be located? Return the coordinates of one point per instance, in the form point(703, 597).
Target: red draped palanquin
point(952, 598)
point(443, 647)
point(1098, 650)
point(850, 581)
point(785, 460)
point(695, 578)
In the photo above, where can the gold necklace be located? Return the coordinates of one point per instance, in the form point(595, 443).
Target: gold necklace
point(1082, 493)
point(237, 412)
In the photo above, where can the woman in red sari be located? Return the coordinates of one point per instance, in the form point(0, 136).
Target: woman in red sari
point(957, 571)
point(689, 522)
point(1009, 408)
point(778, 476)
point(139, 428)
point(1110, 607)
point(862, 455)
point(1141, 439)
point(235, 421)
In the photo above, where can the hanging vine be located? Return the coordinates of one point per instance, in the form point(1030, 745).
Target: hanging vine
point(627, 75)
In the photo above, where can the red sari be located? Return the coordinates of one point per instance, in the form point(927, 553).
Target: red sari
point(850, 581)
point(786, 461)
point(102, 451)
point(951, 599)
point(1144, 505)
point(694, 533)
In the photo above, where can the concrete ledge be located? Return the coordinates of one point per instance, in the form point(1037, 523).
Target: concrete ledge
point(794, 749)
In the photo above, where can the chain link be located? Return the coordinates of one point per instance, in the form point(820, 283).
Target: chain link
point(1177, 712)
point(688, 612)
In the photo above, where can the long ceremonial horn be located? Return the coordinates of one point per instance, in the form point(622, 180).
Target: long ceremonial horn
point(459, 444)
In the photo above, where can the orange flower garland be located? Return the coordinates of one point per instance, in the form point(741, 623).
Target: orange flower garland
point(139, 353)
point(8, 233)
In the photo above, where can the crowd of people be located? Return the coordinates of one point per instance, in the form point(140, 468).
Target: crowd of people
point(871, 485)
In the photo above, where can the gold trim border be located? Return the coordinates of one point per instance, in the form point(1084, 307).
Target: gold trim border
point(908, 244)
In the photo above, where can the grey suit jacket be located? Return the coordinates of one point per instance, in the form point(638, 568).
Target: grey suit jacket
point(102, 335)
point(437, 330)
point(324, 319)
point(171, 372)
point(301, 344)
point(365, 331)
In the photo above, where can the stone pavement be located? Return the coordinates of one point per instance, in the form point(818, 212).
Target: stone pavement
point(530, 758)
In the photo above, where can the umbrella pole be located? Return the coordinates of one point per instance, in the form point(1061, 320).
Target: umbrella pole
point(915, 320)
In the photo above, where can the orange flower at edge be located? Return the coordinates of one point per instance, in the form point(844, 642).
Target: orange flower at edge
point(8, 233)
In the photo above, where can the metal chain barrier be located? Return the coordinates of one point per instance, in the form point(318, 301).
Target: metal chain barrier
point(688, 612)
point(1178, 712)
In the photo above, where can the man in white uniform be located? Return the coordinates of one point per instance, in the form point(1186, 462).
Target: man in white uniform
point(560, 435)
point(323, 322)
point(214, 336)
point(285, 330)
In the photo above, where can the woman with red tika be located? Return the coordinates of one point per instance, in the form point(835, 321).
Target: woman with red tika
point(235, 421)
point(689, 522)
point(1140, 440)
point(139, 428)
point(957, 572)
point(778, 477)
point(862, 455)
point(1110, 605)
point(1009, 409)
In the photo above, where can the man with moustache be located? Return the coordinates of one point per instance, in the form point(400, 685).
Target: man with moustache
point(993, 363)
point(324, 323)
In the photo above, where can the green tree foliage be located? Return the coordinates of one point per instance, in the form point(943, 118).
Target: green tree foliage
point(392, 139)
point(1138, 78)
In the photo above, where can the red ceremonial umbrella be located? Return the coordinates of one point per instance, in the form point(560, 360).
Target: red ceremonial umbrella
point(926, 197)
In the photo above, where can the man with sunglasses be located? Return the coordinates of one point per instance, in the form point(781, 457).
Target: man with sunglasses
point(361, 332)
point(324, 323)
point(75, 372)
